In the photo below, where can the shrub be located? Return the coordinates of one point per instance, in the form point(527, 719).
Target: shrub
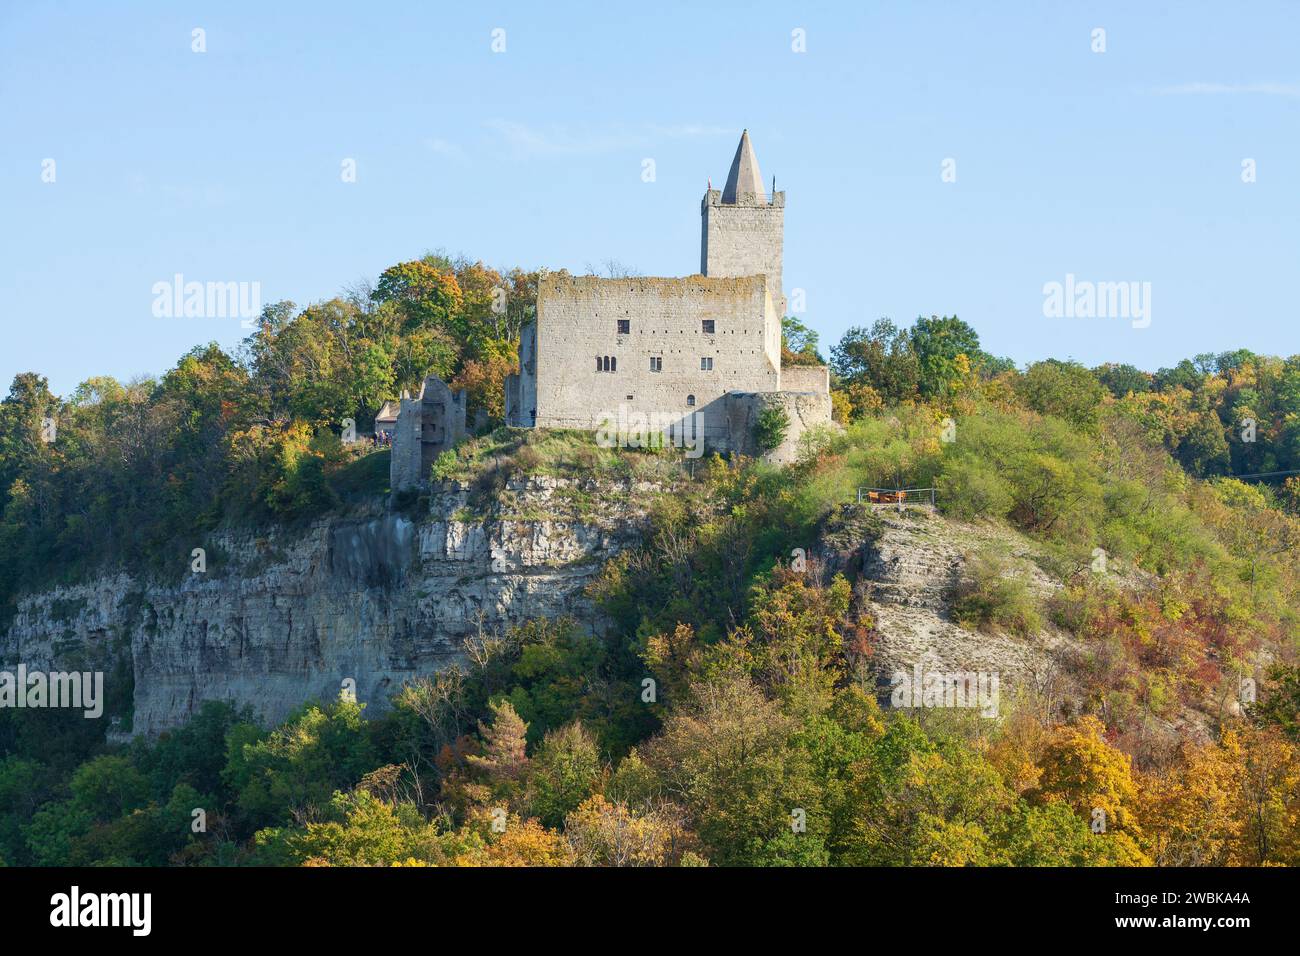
point(445, 466)
point(528, 460)
point(770, 429)
point(971, 489)
point(990, 595)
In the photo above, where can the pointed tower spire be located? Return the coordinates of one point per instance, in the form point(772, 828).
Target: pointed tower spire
point(744, 181)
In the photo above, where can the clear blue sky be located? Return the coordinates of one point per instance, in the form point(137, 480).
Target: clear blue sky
point(225, 166)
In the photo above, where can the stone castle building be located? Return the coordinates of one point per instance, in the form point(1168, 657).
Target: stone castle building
point(701, 353)
point(697, 358)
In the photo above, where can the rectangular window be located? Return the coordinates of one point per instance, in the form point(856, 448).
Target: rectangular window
point(708, 326)
point(624, 326)
point(656, 363)
point(706, 365)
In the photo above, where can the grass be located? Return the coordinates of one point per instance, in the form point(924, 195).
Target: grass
point(489, 460)
point(364, 477)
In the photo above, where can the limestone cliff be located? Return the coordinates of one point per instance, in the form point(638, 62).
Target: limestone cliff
point(904, 567)
point(283, 616)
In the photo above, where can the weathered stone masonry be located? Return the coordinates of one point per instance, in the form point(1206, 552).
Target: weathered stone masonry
point(426, 426)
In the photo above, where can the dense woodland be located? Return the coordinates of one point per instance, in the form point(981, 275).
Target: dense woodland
point(542, 749)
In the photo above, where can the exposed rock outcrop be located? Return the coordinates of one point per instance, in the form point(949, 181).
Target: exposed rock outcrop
point(906, 566)
point(280, 617)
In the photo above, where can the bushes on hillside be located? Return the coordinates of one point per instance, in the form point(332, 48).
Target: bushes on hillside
point(989, 594)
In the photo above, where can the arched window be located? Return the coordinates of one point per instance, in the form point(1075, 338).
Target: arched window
point(598, 368)
point(613, 364)
point(690, 400)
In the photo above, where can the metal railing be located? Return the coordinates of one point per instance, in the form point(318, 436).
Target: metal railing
point(899, 498)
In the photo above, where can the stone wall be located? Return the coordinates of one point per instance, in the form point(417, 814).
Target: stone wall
point(806, 378)
point(806, 410)
point(521, 388)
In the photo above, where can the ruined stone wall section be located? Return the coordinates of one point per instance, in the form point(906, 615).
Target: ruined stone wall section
point(806, 378)
point(427, 425)
point(521, 388)
point(404, 465)
point(806, 410)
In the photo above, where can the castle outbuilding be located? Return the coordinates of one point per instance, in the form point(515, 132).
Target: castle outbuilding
point(700, 355)
point(386, 419)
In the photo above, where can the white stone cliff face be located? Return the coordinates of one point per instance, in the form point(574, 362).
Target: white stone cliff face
point(283, 617)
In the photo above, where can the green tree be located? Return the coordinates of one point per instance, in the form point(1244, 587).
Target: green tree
point(946, 349)
point(426, 293)
point(565, 770)
point(798, 343)
point(1064, 389)
point(881, 358)
point(771, 427)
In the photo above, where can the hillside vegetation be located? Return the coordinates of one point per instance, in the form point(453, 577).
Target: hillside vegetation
point(726, 712)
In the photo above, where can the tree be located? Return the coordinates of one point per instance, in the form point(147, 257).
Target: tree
point(524, 843)
point(946, 349)
point(1191, 814)
point(503, 762)
point(1269, 796)
point(426, 294)
point(771, 427)
point(880, 359)
point(360, 829)
point(601, 833)
point(484, 384)
point(1064, 389)
point(299, 765)
point(565, 770)
point(1203, 450)
point(797, 648)
point(108, 787)
point(798, 343)
point(1094, 779)
point(1280, 706)
point(723, 755)
point(1120, 380)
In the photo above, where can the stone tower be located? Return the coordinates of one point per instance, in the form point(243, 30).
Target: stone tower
point(741, 230)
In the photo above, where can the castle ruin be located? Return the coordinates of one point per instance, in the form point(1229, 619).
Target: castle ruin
point(426, 426)
point(702, 353)
point(698, 358)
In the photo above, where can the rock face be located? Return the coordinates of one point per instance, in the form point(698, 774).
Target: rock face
point(282, 617)
point(906, 566)
point(913, 568)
